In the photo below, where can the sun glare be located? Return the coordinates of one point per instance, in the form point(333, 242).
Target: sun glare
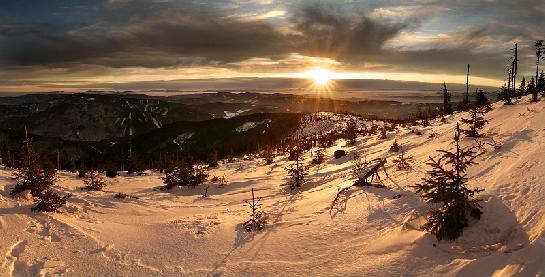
point(320, 76)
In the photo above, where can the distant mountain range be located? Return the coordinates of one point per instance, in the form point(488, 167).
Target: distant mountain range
point(106, 127)
point(95, 117)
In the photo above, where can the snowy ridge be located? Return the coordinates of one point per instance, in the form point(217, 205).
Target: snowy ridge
point(373, 233)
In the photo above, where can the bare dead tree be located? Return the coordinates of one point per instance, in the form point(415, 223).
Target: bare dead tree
point(367, 174)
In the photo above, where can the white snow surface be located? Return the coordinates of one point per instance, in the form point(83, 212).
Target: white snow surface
point(182, 233)
point(250, 125)
point(229, 114)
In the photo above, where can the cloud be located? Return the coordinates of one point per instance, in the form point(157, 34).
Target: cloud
point(155, 36)
point(428, 36)
point(324, 33)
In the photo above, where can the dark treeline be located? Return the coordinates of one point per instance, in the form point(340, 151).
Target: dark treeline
point(205, 141)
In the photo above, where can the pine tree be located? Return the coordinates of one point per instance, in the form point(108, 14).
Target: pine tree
point(475, 123)
point(135, 165)
point(351, 132)
point(522, 87)
point(257, 217)
point(532, 88)
point(297, 171)
point(31, 175)
point(403, 162)
point(185, 174)
point(481, 100)
point(446, 188)
point(395, 146)
point(319, 157)
point(502, 94)
point(93, 181)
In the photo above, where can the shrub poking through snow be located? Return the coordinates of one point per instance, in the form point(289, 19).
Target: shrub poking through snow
point(425, 122)
point(257, 217)
point(186, 174)
point(383, 134)
point(50, 201)
point(446, 185)
point(475, 123)
point(351, 133)
point(121, 195)
point(31, 175)
point(395, 147)
point(319, 157)
point(402, 161)
point(93, 181)
point(268, 156)
point(297, 171)
point(221, 181)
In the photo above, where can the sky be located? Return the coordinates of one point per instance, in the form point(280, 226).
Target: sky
point(102, 44)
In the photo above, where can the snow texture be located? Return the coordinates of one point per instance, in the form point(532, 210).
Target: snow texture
point(371, 232)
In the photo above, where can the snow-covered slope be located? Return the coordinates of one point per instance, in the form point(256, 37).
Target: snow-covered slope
point(371, 232)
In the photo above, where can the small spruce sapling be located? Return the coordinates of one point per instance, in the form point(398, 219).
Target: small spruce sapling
point(395, 146)
point(268, 156)
point(446, 188)
point(403, 162)
point(93, 181)
point(257, 218)
point(297, 171)
point(351, 132)
point(481, 101)
point(475, 123)
point(50, 201)
point(319, 157)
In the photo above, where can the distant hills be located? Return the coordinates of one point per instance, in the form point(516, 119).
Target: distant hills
point(95, 117)
point(108, 126)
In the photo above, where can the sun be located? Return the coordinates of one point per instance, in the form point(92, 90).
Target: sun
point(320, 76)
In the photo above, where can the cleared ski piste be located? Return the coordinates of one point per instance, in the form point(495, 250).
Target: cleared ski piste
point(181, 233)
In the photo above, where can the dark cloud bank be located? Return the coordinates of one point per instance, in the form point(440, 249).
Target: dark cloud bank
point(162, 34)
